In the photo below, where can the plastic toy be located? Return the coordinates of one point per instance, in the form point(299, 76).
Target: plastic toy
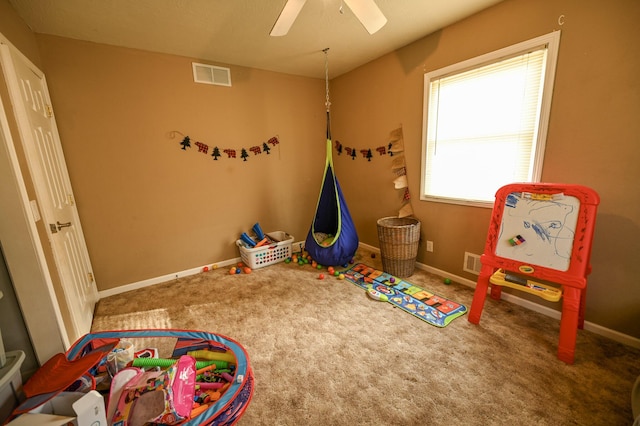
point(258, 230)
point(247, 240)
point(517, 240)
point(376, 295)
point(224, 406)
point(558, 223)
point(164, 363)
point(213, 355)
point(209, 385)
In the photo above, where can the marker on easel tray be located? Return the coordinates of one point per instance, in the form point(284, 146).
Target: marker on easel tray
point(517, 240)
point(543, 197)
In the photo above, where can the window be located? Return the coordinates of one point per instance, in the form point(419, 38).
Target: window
point(485, 122)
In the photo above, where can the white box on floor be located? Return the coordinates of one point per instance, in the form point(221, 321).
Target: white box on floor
point(10, 383)
point(77, 408)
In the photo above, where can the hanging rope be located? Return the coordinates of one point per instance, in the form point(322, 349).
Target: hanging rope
point(326, 76)
point(326, 81)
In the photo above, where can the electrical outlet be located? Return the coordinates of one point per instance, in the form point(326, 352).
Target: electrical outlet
point(429, 245)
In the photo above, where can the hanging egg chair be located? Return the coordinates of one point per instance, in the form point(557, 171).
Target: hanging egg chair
point(332, 238)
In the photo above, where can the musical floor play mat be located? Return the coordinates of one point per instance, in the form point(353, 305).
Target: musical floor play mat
point(429, 307)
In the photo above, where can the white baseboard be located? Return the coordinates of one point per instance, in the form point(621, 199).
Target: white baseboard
point(595, 328)
point(296, 246)
point(164, 278)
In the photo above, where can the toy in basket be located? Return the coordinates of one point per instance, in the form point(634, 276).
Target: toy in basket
point(277, 250)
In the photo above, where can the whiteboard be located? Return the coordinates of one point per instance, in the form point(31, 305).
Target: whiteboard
point(538, 229)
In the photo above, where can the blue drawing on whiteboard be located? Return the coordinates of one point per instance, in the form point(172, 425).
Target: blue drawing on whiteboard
point(544, 231)
point(548, 226)
point(511, 201)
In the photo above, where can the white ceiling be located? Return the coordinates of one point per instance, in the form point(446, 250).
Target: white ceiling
point(236, 32)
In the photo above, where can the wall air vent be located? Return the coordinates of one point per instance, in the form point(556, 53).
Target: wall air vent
point(210, 74)
point(471, 263)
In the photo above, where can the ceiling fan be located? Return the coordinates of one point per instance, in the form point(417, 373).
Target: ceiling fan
point(366, 11)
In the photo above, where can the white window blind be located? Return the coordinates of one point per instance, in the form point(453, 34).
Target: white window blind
point(481, 126)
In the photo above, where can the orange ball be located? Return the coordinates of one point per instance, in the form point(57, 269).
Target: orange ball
point(232, 271)
point(247, 270)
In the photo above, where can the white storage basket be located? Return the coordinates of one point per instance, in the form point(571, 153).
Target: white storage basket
point(267, 255)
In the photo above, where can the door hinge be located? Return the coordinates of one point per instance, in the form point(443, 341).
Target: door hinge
point(70, 198)
point(90, 275)
point(49, 111)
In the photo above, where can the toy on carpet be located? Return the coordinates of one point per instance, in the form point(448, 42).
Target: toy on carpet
point(304, 258)
point(377, 293)
point(429, 307)
point(239, 269)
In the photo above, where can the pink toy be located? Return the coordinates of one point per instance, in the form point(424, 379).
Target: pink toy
point(208, 385)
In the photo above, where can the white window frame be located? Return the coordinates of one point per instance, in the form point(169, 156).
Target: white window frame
point(552, 42)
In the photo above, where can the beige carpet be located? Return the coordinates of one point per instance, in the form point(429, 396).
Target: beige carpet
point(323, 353)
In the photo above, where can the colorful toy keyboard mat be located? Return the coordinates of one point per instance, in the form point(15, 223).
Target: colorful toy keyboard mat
point(429, 307)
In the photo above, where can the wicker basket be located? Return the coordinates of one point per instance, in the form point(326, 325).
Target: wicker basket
point(399, 238)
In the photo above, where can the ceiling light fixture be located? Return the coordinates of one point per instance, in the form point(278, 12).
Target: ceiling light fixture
point(367, 12)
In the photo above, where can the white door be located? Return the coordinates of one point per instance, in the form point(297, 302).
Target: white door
point(41, 142)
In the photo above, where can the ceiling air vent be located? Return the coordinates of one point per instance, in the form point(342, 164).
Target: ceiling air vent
point(209, 74)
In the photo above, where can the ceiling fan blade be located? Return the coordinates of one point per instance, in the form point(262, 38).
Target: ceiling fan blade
point(368, 13)
point(287, 17)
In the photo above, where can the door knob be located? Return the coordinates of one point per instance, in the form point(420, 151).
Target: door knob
point(62, 225)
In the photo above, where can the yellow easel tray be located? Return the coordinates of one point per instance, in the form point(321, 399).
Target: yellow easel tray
point(500, 277)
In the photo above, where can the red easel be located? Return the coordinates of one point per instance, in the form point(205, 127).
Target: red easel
point(556, 224)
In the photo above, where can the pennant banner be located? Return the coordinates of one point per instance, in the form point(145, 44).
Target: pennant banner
point(217, 152)
point(399, 169)
point(395, 149)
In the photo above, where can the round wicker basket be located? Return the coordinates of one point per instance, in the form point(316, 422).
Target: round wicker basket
point(399, 238)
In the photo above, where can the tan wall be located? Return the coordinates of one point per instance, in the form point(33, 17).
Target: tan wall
point(149, 208)
point(16, 31)
point(592, 138)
